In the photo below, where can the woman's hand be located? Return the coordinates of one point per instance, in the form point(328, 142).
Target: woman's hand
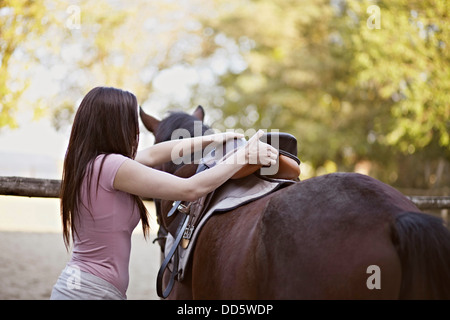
point(254, 152)
point(259, 152)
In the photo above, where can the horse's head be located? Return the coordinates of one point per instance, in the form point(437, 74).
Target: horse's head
point(169, 128)
point(176, 125)
point(163, 129)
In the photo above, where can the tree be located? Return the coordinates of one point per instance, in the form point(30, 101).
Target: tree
point(65, 49)
point(19, 21)
point(350, 92)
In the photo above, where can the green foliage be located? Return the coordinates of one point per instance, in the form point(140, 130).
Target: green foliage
point(54, 51)
point(19, 20)
point(350, 92)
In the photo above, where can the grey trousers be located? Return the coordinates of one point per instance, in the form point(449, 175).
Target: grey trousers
point(74, 284)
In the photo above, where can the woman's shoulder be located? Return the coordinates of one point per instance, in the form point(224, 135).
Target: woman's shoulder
point(108, 165)
point(110, 157)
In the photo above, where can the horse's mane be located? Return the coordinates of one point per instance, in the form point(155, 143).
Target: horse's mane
point(177, 120)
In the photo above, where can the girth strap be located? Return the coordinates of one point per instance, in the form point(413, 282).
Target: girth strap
point(173, 253)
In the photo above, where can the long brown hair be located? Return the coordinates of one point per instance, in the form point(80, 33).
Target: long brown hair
point(106, 122)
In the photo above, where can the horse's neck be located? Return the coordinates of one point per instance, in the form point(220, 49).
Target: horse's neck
point(186, 171)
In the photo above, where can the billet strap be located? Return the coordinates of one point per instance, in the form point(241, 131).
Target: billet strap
point(174, 250)
point(172, 253)
point(174, 208)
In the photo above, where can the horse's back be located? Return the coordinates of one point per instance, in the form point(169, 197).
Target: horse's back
point(313, 240)
point(325, 234)
point(339, 236)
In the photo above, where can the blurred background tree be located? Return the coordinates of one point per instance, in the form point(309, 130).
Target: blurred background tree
point(357, 97)
point(19, 21)
point(361, 91)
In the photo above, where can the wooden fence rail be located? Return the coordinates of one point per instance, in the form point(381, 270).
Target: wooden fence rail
point(29, 187)
point(49, 188)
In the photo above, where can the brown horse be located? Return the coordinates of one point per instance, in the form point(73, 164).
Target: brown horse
point(337, 236)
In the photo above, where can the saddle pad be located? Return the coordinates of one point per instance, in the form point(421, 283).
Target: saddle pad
point(232, 194)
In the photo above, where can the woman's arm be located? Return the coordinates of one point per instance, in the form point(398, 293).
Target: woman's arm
point(173, 149)
point(135, 178)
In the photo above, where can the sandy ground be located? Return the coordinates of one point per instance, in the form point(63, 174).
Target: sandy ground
point(32, 253)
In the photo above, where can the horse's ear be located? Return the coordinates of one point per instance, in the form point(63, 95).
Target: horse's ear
point(149, 122)
point(199, 113)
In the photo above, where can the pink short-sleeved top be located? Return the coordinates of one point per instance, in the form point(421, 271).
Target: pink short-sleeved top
point(102, 244)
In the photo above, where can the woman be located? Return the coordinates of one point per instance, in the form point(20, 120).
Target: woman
point(103, 179)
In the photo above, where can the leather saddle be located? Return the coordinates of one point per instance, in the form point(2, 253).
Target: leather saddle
point(249, 184)
point(287, 166)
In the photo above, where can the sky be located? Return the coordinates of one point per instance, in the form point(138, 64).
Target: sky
point(35, 149)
